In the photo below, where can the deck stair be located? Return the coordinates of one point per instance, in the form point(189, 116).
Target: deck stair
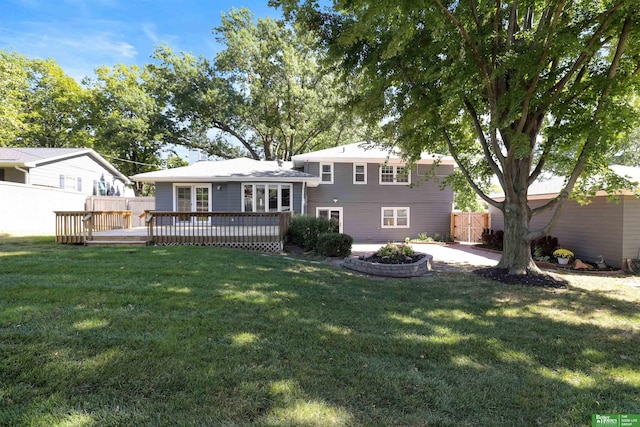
point(118, 240)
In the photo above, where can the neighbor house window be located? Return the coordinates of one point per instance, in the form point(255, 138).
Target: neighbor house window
point(359, 173)
point(395, 217)
point(326, 173)
point(390, 175)
point(266, 197)
point(70, 183)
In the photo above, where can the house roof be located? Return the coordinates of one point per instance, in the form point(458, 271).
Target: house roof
point(551, 185)
point(29, 157)
point(241, 169)
point(364, 151)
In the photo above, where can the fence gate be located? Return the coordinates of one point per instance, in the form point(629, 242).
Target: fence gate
point(468, 226)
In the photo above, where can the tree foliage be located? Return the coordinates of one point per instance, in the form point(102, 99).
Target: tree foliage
point(265, 95)
point(13, 84)
point(128, 123)
point(42, 106)
point(512, 88)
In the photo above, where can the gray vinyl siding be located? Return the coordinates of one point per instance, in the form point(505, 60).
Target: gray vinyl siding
point(430, 208)
point(228, 198)
point(631, 235)
point(589, 230)
point(164, 196)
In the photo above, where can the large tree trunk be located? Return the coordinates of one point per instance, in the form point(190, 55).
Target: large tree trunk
point(516, 252)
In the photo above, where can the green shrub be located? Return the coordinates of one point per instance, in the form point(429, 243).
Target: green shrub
point(334, 245)
point(395, 252)
point(493, 240)
point(544, 247)
point(304, 230)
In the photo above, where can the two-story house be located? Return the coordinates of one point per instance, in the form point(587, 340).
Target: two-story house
point(374, 196)
point(368, 190)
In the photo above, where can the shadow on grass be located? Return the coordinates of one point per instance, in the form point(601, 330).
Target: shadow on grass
point(193, 336)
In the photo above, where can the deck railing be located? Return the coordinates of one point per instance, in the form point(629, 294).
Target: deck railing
point(78, 226)
point(248, 230)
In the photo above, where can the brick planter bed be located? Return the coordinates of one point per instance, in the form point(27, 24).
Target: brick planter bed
point(418, 268)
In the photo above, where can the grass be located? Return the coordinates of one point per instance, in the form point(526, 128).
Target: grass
point(202, 336)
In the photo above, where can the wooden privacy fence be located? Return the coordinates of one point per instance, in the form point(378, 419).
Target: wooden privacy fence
point(263, 231)
point(468, 226)
point(137, 205)
point(79, 226)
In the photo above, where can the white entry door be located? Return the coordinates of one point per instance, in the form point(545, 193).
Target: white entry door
point(193, 198)
point(328, 213)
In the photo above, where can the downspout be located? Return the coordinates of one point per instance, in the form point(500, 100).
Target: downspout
point(26, 174)
point(303, 201)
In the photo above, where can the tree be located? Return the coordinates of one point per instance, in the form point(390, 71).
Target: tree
point(511, 88)
point(42, 106)
point(13, 86)
point(55, 108)
point(266, 94)
point(129, 124)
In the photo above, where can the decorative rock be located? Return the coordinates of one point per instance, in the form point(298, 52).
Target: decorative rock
point(579, 265)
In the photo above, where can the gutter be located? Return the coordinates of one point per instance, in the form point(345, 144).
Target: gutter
point(26, 174)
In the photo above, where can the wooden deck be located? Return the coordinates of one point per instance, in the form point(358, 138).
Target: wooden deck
point(263, 231)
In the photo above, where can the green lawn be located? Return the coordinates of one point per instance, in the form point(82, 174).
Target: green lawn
point(212, 337)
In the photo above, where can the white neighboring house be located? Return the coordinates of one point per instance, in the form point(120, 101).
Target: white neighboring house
point(36, 182)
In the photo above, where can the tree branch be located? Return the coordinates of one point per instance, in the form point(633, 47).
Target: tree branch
point(586, 55)
point(225, 128)
point(474, 12)
point(543, 158)
point(483, 141)
point(466, 173)
point(593, 136)
point(469, 41)
point(526, 104)
point(513, 23)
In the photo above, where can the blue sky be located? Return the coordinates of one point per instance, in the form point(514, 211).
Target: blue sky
point(82, 35)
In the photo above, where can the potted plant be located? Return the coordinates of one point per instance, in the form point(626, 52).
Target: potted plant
point(563, 255)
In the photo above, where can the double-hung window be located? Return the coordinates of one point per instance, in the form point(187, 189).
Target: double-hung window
point(266, 197)
point(326, 173)
point(395, 217)
point(392, 174)
point(70, 183)
point(359, 173)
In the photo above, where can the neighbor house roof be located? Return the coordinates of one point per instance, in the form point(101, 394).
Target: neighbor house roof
point(550, 185)
point(241, 169)
point(29, 157)
point(364, 151)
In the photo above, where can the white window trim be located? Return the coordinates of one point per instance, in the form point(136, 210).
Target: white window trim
point(193, 186)
point(332, 172)
point(267, 185)
point(395, 217)
point(354, 173)
point(395, 175)
point(332, 208)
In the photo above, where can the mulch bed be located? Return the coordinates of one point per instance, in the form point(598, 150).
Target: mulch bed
point(502, 275)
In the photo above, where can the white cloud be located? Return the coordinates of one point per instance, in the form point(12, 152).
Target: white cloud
point(80, 48)
point(150, 31)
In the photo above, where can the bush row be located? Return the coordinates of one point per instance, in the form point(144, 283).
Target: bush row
point(320, 235)
point(541, 248)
